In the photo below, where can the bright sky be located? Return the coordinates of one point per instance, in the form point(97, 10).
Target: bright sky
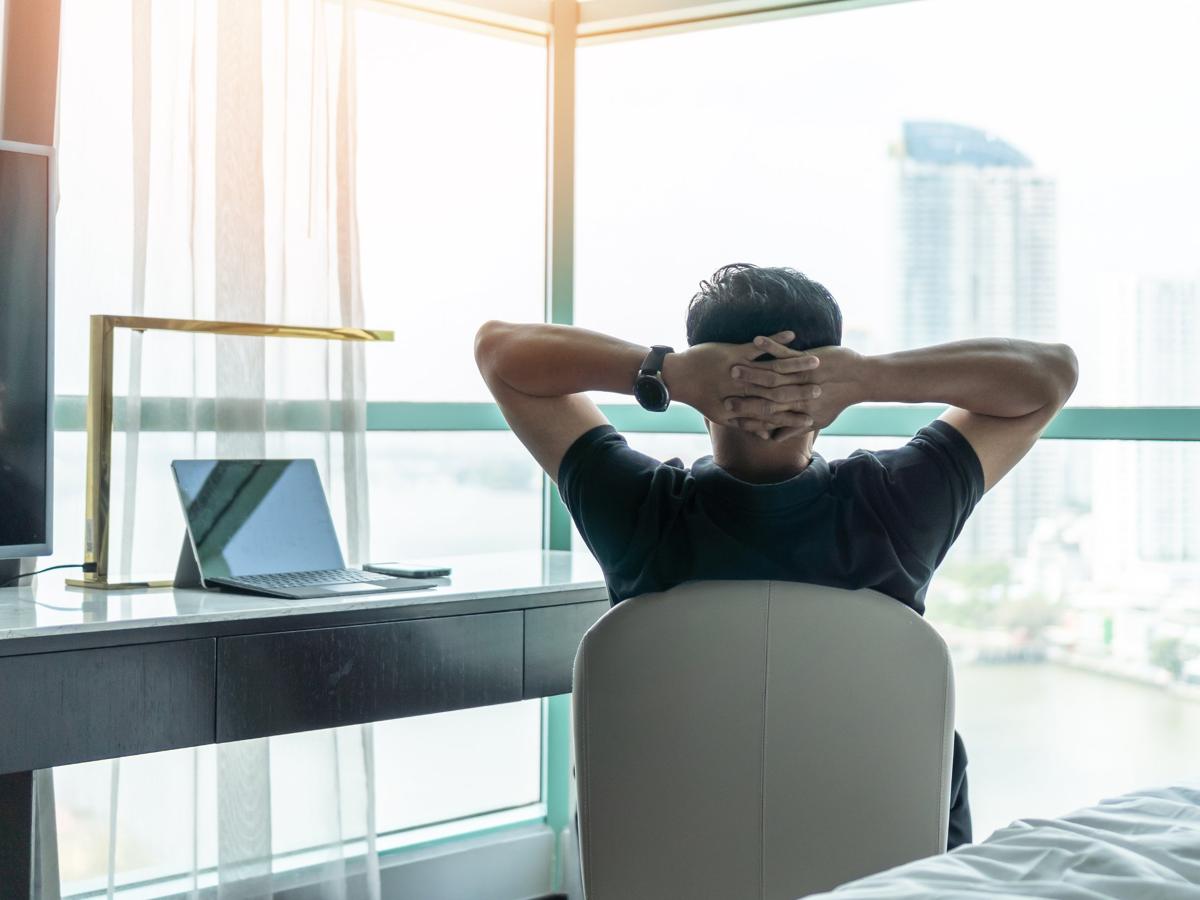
point(765, 143)
point(769, 143)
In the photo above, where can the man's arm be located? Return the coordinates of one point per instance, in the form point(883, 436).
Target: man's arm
point(538, 374)
point(1002, 393)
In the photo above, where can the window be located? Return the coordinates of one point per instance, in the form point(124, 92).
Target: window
point(900, 155)
point(936, 165)
point(452, 492)
point(452, 214)
point(158, 798)
point(452, 172)
point(451, 210)
point(1076, 638)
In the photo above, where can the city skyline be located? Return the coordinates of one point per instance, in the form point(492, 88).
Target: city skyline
point(977, 229)
point(1168, 363)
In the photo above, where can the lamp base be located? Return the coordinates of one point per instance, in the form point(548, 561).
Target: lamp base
point(92, 583)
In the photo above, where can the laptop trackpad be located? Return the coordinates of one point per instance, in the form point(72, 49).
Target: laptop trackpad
point(354, 588)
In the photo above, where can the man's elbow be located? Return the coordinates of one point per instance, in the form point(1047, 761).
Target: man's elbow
point(1061, 368)
point(491, 340)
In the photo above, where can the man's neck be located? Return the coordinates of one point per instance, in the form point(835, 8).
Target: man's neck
point(750, 458)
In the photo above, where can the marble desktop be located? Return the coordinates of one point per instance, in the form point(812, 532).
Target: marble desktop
point(51, 608)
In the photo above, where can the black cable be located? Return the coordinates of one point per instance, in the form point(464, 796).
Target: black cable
point(87, 567)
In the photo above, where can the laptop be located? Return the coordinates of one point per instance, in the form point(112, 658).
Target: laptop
point(263, 526)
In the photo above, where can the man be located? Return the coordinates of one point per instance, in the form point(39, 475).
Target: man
point(765, 368)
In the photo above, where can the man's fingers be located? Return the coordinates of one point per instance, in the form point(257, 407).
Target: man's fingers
point(751, 412)
point(777, 348)
point(774, 345)
point(768, 378)
point(753, 426)
point(787, 360)
point(787, 394)
point(764, 408)
point(792, 365)
point(755, 375)
point(791, 370)
point(754, 349)
point(749, 407)
point(779, 428)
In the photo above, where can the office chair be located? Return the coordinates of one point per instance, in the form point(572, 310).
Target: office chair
point(758, 739)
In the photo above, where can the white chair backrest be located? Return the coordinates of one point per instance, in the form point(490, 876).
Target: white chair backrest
point(758, 739)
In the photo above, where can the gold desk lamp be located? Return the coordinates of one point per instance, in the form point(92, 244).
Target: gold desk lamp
point(100, 419)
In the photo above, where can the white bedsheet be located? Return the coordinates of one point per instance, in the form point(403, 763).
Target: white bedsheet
point(1141, 846)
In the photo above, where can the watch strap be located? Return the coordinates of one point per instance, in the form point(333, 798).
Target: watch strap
point(653, 363)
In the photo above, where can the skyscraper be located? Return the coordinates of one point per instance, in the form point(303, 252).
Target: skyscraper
point(978, 249)
point(1168, 374)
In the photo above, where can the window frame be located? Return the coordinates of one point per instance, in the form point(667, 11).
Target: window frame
point(564, 26)
point(598, 21)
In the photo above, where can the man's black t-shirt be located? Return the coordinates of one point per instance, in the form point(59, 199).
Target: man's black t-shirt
point(882, 520)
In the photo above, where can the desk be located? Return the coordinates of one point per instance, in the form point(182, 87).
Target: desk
point(96, 675)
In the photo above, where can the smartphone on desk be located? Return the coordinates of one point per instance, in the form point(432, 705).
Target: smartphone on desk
point(410, 569)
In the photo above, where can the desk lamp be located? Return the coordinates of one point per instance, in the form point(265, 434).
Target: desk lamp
point(100, 419)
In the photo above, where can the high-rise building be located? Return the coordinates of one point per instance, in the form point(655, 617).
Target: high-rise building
point(978, 245)
point(978, 237)
point(1168, 374)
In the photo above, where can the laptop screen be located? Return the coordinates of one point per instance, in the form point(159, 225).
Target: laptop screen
point(257, 517)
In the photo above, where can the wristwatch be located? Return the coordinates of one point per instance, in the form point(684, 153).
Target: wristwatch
point(649, 388)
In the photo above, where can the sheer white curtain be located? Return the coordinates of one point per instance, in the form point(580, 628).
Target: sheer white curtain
point(242, 152)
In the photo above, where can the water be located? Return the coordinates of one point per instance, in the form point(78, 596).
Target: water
point(1043, 739)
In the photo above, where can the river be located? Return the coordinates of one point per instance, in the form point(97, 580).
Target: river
point(1043, 739)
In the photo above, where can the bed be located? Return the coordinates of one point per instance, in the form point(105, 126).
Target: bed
point(1140, 846)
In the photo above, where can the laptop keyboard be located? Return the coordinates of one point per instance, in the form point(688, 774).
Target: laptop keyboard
point(310, 579)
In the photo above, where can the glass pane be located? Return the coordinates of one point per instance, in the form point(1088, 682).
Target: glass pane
point(434, 493)
point(429, 769)
point(897, 155)
point(166, 811)
point(451, 170)
point(435, 768)
point(94, 224)
point(1072, 604)
point(451, 205)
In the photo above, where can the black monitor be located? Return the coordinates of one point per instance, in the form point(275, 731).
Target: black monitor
point(26, 350)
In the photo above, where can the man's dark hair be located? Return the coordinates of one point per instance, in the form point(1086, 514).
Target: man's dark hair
point(742, 301)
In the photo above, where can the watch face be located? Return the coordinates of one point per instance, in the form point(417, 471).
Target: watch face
point(651, 393)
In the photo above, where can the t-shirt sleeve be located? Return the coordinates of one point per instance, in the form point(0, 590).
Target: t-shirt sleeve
point(604, 483)
point(924, 492)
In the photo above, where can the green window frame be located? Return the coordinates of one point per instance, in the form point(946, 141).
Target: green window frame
point(883, 420)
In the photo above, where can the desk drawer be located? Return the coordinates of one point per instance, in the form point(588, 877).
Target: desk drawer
point(322, 678)
point(552, 637)
point(79, 705)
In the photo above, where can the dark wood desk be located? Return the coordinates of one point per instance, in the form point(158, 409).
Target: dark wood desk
point(96, 675)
